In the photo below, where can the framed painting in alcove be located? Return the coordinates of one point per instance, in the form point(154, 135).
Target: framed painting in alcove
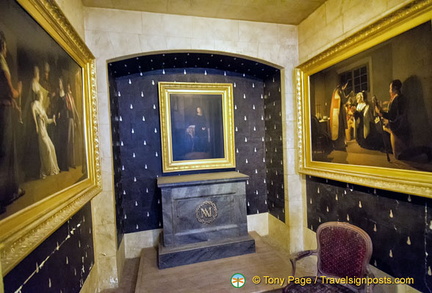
point(197, 126)
point(354, 127)
point(49, 152)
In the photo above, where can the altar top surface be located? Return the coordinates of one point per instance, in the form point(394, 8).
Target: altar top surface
point(205, 178)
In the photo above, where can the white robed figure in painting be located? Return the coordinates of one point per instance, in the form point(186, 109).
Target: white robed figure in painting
point(48, 158)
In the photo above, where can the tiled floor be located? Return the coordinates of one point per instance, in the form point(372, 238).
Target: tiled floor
point(210, 276)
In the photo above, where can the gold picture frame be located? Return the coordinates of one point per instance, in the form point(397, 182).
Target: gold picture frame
point(37, 34)
point(386, 50)
point(197, 126)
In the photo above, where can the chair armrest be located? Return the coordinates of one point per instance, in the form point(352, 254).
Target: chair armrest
point(299, 255)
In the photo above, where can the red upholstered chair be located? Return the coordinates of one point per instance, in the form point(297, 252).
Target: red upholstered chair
point(343, 253)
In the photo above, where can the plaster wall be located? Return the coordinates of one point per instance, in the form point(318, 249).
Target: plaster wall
point(74, 13)
point(335, 20)
point(114, 34)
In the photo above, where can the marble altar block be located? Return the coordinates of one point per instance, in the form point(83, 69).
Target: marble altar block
point(204, 218)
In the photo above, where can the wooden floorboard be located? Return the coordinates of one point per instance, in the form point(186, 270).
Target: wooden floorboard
point(214, 276)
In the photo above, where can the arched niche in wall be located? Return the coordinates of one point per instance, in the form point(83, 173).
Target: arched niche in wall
point(136, 133)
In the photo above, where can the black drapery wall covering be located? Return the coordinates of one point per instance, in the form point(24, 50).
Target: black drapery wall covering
point(274, 148)
point(61, 263)
point(136, 132)
point(399, 225)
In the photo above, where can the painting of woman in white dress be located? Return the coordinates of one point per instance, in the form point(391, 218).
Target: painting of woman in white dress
point(37, 54)
point(48, 158)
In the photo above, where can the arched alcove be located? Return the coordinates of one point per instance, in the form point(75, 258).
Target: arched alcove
point(134, 102)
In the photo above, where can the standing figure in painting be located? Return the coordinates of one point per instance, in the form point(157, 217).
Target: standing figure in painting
point(31, 158)
point(397, 125)
point(350, 131)
point(9, 183)
point(338, 122)
point(48, 157)
point(201, 131)
point(367, 134)
point(48, 84)
point(66, 117)
point(73, 123)
point(36, 86)
point(396, 119)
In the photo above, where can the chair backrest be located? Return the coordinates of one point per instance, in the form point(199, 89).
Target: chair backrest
point(344, 250)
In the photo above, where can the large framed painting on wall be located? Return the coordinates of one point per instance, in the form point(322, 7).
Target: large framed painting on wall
point(366, 105)
point(197, 122)
point(49, 162)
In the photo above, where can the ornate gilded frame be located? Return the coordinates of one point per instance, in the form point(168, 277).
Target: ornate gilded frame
point(173, 97)
point(24, 230)
point(400, 180)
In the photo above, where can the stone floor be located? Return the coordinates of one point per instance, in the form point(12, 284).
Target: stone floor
point(142, 275)
point(128, 278)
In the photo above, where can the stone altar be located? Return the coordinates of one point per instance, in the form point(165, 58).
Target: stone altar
point(204, 218)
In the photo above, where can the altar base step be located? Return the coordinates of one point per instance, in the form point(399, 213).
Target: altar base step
point(203, 251)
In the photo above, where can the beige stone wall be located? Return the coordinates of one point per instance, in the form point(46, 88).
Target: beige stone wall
point(74, 13)
point(335, 20)
point(112, 34)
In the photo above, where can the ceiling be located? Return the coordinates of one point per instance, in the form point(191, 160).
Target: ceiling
point(270, 11)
